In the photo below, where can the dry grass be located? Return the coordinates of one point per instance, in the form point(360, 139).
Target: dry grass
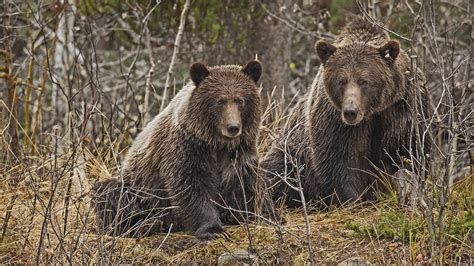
point(332, 239)
point(36, 190)
point(338, 234)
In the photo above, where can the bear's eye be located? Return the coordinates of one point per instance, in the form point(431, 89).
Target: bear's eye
point(342, 82)
point(221, 102)
point(363, 82)
point(239, 101)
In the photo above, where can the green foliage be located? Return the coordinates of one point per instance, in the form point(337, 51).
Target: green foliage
point(210, 20)
point(463, 225)
point(397, 225)
point(393, 224)
point(403, 24)
point(337, 10)
point(230, 20)
point(99, 7)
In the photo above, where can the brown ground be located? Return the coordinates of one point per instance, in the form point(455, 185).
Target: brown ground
point(373, 232)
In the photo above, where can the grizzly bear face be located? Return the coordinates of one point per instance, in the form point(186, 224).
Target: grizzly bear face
point(360, 79)
point(226, 101)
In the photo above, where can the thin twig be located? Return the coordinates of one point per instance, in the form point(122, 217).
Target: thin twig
point(175, 52)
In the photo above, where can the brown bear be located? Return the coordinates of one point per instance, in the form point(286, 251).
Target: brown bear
point(353, 126)
point(192, 168)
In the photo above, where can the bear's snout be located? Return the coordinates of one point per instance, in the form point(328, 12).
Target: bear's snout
point(352, 105)
point(350, 113)
point(231, 124)
point(233, 129)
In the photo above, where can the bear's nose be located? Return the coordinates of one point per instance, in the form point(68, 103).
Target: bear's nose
point(350, 113)
point(233, 129)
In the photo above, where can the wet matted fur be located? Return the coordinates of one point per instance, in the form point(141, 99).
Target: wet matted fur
point(353, 124)
point(193, 163)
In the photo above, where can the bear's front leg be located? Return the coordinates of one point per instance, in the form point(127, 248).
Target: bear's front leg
point(194, 191)
point(204, 221)
point(211, 229)
point(196, 210)
point(243, 197)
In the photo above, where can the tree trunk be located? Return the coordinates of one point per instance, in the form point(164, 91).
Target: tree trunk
point(272, 43)
point(8, 90)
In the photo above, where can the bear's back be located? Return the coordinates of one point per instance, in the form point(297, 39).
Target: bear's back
point(149, 144)
point(361, 31)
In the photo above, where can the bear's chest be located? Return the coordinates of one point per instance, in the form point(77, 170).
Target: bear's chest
point(226, 165)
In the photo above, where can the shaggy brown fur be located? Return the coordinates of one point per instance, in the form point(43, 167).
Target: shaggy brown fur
point(353, 124)
point(193, 160)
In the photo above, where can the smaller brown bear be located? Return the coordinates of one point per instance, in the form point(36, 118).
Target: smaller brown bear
point(193, 166)
point(353, 126)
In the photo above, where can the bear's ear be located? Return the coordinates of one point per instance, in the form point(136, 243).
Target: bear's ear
point(390, 50)
point(253, 69)
point(325, 50)
point(198, 73)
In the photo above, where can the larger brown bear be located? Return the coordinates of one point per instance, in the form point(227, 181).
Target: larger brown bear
point(353, 124)
point(193, 163)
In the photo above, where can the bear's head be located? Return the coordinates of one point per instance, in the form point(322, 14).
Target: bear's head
point(361, 79)
point(226, 101)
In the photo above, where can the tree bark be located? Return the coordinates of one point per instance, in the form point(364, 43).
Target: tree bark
point(8, 89)
point(272, 43)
